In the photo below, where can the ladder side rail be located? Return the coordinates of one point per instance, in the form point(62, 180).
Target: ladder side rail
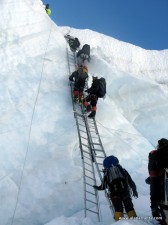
point(94, 177)
point(97, 132)
point(91, 152)
point(95, 191)
point(85, 176)
point(77, 124)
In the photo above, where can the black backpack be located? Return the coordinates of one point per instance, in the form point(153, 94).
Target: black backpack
point(162, 157)
point(80, 81)
point(116, 179)
point(77, 43)
point(116, 176)
point(102, 88)
point(86, 49)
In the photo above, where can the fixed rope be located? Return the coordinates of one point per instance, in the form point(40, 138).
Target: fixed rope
point(31, 122)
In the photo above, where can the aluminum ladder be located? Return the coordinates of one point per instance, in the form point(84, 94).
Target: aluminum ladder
point(91, 200)
point(91, 147)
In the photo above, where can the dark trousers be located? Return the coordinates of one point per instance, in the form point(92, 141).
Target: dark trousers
point(119, 202)
point(156, 191)
point(92, 99)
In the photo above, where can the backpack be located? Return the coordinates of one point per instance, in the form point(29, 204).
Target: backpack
point(77, 43)
point(115, 175)
point(162, 155)
point(81, 79)
point(86, 49)
point(74, 44)
point(102, 88)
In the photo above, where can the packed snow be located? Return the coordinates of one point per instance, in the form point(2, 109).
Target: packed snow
point(41, 179)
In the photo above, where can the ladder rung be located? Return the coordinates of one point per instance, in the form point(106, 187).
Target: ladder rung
point(95, 137)
point(87, 157)
point(99, 157)
point(91, 201)
point(82, 131)
point(87, 164)
point(95, 143)
point(88, 170)
point(89, 184)
point(83, 137)
point(90, 122)
point(78, 114)
point(80, 118)
point(89, 177)
point(91, 193)
point(101, 164)
point(85, 145)
point(92, 211)
point(92, 130)
point(81, 125)
point(98, 150)
point(86, 152)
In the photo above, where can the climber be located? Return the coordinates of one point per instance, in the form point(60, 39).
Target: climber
point(73, 42)
point(119, 182)
point(79, 77)
point(83, 55)
point(96, 91)
point(47, 9)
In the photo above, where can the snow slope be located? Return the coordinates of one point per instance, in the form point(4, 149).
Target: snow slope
point(40, 170)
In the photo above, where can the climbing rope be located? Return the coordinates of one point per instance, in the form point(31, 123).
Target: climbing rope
point(31, 122)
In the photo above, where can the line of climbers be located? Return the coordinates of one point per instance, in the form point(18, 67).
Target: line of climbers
point(80, 78)
point(117, 179)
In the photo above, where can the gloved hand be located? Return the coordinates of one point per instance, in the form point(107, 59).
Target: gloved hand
point(147, 180)
point(156, 212)
point(135, 193)
point(95, 187)
point(70, 78)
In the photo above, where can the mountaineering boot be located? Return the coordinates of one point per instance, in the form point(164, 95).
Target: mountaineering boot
point(75, 96)
point(73, 49)
point(81, 97)
point(88, 108)
point(166, 215)
point(118, 215)
point(162, 222)
point(131, 214)
point(160, 216)
point(92, 114)
point(76, 99)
